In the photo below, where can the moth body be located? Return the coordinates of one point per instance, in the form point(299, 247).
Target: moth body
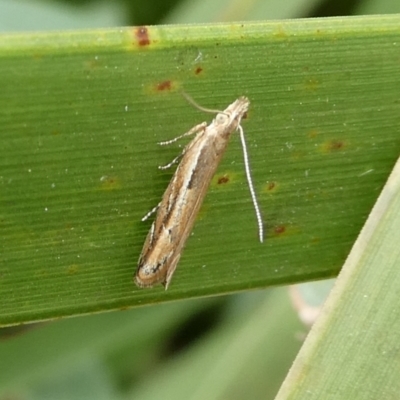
point(184, 195)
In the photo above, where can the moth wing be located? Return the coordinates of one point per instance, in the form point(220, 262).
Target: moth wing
point(171, 270)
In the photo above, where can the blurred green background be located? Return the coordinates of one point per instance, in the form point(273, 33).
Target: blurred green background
point(231, 347)
point(34, 15)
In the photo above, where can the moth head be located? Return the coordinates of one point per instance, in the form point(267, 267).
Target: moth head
point(221, 119)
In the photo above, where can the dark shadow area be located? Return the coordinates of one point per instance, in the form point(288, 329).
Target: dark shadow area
point(334, 8)
point(193, 329)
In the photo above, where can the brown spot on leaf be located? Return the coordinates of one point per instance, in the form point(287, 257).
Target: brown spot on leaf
point(223, 179)
point(165, 85)
point(271, 185)
point(336, 145)
point(142, 36)
point(279, 229)
point(198, 70)
point(333, 145)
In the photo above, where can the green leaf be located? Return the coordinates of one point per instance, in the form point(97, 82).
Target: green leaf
point(81, 115)
point(355, 341)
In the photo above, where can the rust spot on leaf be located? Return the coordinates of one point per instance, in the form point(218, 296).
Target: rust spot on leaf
point(165, 85)
point(333, 145)
point(279, 229)
point(336, 145)
point(142, 36)
point(223, 179)
point(271, 186)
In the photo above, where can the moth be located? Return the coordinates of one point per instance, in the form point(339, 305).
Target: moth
point(185, 193)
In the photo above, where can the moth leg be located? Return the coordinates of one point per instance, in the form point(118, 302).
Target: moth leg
point(174, 161)
point(196, 129)
point(151, 212)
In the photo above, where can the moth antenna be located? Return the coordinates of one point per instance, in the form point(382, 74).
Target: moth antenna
point(251, 187)
point(198, 106)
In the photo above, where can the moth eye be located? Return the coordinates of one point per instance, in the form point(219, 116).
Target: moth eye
point(221, 119)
